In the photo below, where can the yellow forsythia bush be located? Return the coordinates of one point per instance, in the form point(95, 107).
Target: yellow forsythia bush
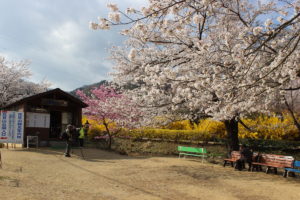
point(269, 127)
point(95, 129)
point(263, 127)
point(180, 125)
point(206, 130)
point(214, 128)
point(166, 134)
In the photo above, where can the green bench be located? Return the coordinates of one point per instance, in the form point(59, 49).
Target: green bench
point(192, 151)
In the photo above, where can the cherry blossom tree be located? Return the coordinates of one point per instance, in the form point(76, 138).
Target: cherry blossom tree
point(14, 84)
point(291, 104)
point(221, 58)
point(111, 109)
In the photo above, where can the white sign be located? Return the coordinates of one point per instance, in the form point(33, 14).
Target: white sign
point(11, 127)
point(37, 120)
point(66, 118)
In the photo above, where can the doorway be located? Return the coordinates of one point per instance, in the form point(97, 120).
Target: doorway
point(55, 124)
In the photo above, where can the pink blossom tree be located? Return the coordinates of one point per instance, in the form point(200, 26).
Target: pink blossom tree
point(111, 109)
point(221, 58)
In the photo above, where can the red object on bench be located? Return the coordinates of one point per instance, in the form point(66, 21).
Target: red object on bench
point(273, 161)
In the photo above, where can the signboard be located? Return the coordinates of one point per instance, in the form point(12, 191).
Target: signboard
point(37, 120)
point(54, 102)
point(11, 124)
point(4, 127)
point(11, 127)
point(19, 127)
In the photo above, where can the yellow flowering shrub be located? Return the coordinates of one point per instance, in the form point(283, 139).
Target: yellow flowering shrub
point(95, 129)
point(180, 125)
point(215, 128)
point(166, 134)
point(181, 130)
point(269, 127)
point(263, 127)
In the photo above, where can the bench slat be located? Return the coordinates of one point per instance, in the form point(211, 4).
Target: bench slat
point(189, 154)
point(192, 149)
point(292, 170)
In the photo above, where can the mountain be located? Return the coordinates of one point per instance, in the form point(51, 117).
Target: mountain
point(87, 88)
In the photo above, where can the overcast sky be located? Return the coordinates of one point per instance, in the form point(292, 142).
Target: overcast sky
point(54, 35)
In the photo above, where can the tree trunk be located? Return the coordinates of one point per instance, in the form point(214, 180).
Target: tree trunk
point(232, 134)
point(292, 113)
point(109, 135)
point(109, 142)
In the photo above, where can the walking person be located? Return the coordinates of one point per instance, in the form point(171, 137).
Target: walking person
point(83, 134)
point(68, 135)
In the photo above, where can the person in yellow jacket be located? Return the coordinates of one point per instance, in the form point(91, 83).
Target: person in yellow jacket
point(82, 134)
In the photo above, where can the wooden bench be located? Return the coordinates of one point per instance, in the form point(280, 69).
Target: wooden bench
point(192, 151)
point(234, 156)
point(296, 165)
point(273, 161)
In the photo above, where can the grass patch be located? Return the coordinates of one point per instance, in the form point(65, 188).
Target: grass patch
point(4, 178)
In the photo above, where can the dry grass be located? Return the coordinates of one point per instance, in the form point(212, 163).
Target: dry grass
point(45, 175)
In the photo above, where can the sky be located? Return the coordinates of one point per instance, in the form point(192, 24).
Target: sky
point(54, 36)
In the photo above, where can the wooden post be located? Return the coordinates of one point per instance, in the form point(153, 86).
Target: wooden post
point(0, 161)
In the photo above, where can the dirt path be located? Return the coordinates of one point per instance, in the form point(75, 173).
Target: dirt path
point(45, 175)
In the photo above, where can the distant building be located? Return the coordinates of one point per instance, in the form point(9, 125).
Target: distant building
point(47, 114)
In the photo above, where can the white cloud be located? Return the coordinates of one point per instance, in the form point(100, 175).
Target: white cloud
point(54, 35)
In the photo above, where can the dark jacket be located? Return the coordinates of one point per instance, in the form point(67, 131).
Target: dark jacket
point(246, 154)
point(68, 135)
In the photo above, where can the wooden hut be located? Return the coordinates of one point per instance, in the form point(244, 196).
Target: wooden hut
point(47, 114)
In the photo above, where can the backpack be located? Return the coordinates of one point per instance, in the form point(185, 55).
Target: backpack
point(64, 136)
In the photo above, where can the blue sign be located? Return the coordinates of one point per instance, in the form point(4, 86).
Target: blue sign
point(4, 126)
point(11, 127)
point(20, 125)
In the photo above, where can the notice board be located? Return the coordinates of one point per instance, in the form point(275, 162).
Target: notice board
point(37, 120)
point(11, 127)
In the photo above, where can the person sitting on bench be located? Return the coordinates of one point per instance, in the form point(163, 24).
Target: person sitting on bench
point(246, 156)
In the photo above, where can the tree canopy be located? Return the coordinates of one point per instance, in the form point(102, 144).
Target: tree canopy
point(14, 84)
point(111, 109)
point(221, 58)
